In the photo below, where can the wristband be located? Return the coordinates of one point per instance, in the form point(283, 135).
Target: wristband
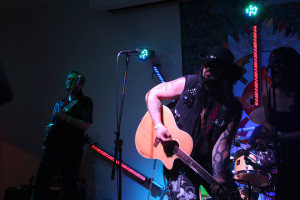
point(158, 125)
point(69, 118)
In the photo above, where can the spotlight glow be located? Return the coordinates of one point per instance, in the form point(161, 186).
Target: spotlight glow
point(146, 54)
point(255, 66)
point(124, 166)
point(252, 10)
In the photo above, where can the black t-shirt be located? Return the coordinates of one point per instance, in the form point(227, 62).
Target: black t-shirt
point(65, 136)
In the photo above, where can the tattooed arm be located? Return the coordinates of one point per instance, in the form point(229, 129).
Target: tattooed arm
point(164, 91)
point(221, 151)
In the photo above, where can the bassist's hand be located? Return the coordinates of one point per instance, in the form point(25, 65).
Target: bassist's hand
point(61, 115)
point(162, 134)
point(48, 129)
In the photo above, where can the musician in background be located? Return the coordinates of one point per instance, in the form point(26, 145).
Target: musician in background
point(63, 150)
point(282, 118)
point(206, 109)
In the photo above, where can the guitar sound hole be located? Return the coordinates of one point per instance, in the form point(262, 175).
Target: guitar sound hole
point(169, 147)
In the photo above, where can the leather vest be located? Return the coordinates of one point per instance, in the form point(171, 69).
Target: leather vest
point(187, 115)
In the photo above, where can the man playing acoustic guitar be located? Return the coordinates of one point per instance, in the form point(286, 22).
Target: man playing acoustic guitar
point(206, 108)
point(72, 116)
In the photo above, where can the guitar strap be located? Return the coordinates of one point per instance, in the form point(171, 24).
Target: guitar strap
point(70, 105)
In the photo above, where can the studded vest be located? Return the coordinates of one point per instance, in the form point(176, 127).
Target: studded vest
point(187, 116)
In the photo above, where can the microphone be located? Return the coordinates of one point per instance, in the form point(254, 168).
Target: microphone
point(136, 51)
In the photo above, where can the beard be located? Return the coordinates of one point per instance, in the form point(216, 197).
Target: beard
point(208, 79)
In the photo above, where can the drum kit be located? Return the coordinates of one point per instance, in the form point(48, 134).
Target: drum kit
point(255, 171)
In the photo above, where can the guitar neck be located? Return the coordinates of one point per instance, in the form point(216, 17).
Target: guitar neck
point(194, 165)
point(230, 195)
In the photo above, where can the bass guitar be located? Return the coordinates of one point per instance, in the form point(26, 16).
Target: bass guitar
point(180, 147)
point(63, 107)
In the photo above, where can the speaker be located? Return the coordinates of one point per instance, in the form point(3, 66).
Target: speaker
point(56, 192)
point(22, 192)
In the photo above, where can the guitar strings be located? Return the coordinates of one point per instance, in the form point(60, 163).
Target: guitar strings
point(191, 162)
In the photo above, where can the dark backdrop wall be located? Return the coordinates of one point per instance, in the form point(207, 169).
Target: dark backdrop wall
point(40, 45)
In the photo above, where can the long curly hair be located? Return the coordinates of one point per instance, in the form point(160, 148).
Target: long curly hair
point(289, 59)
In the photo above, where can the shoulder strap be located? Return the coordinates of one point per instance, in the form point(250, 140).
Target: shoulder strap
point(70, 105)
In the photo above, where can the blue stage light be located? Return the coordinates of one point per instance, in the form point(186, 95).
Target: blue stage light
point(158, 74)
point(252, 10)
point(146, 54)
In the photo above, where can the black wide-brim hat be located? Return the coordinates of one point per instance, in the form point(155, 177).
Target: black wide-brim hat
point(226, 59)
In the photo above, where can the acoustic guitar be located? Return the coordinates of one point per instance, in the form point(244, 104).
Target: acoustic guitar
point(180, 147)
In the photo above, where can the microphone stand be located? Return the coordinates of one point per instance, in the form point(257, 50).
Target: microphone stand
point(118, 141)
point(273, 118)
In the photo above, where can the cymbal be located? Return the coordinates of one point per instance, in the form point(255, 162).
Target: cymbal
point(258, 115)
point(240, 138)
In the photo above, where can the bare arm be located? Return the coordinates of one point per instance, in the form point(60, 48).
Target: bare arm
point(83, 125)
point(164, 91)
point(221, 151)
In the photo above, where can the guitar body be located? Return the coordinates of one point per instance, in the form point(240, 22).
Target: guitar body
point(146, 135)
point(145, 139)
